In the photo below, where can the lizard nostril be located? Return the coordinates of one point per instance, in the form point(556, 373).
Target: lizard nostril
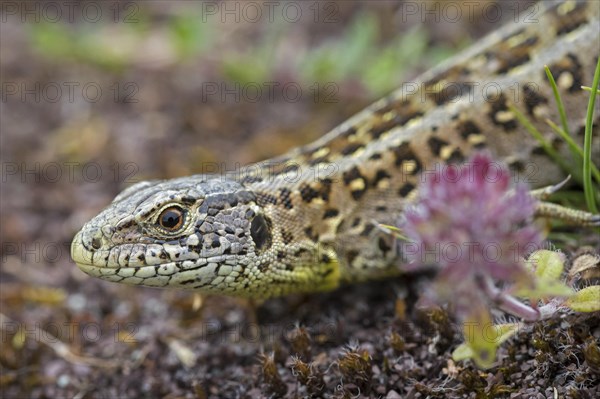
point(96, 243)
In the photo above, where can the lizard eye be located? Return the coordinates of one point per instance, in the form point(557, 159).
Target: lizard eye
point(171, 219)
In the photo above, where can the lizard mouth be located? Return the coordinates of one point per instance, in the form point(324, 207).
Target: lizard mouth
point(187, 274)
point(165, 275)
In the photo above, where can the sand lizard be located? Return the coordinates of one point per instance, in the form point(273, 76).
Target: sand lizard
point(306, 221)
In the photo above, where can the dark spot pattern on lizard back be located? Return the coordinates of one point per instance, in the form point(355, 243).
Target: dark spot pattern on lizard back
point(286, 236)
point(351, 131)
point(557, 143)
point(356, 182)
point(538, 150)
point(325, 185)
point(248, 179)
point(572, 70)
point(436, 144)
point(402, 112)
point(351, 148)
point(307, 193)
point(383, 127)
point(455, 157)
point(383, 245)
point(514, 50)
point(319, 189)
point(367, 229)
point(569, 16)
point(351, 256)
point(330, 213)
point(532, 98)
point(467, 128)
point(265, 198)
point(318, 160)
point(406, 189)
point(453, 91)
point(288, 165)
point(449, 86)
point(500, 115)
point(285, 198)
point(517, 165)
point(403, 153)
point(375, 156)
point(311, 234)
point(380, 176)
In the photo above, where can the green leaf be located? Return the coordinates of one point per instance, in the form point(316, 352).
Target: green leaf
point(51, 40)
point(188, 36)
point(547, 264)
point(586, 300)
point(394, 59)
point(548, 267)
point(545, 288)
point(462, 352)
point(482, 341)
point(505, 331)
point(359, 41)
point(320, 65)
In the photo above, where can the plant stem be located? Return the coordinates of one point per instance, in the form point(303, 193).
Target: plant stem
point(587, 146)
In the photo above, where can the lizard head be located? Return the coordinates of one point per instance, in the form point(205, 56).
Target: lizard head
point(198, 232)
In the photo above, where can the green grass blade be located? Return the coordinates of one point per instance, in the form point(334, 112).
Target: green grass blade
point(559, 103)
point(590, 90)
point(588, 188)
point(575, 148)
point(545, 144)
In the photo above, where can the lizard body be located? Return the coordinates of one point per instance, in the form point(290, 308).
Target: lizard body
point(307, 220)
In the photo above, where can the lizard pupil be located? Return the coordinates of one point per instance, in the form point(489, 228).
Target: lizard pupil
point(171, 218)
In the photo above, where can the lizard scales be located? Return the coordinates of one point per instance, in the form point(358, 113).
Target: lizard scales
point(306, 221)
